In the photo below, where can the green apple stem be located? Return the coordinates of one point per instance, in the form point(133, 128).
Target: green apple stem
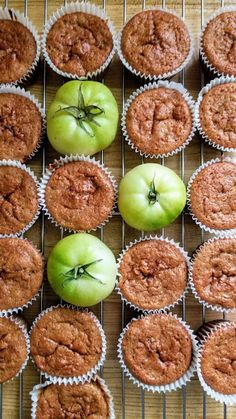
point(81, 270)
point(153, 195)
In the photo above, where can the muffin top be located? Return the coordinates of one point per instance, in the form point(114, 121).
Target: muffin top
point(21, 272)
point(218, 360)
point(13, 349)
point(155, 42)
point(218, 43)
point(214, 272)
point(18, 199)
point(153, 274)
point(213, 195)
point(157, 349)
point(217, 113)
point(79, 195)
point(20, 126)
point(66, 343)
point(158, 121)
point(79, 43)
point(86, 400)
point(15, 58)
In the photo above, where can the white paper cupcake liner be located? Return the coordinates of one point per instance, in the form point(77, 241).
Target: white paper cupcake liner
point(206, 331)
point(220, 233)
point(73, 7)
point(8, 88)
point(55, 379)
point(36, 392)
point(16, 310)
point(150, 76)
point(164, 308)
point(15, 163)
point(168, 85)
point(61, 162)
point(205, 90)
point(182, 381)
point(20, 323)
point(11, 14)
point(215, 307)
point(209, 66)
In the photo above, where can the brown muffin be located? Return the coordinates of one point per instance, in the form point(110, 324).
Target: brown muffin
point(13, 349)
point(155, 42)
point(157, 349)
point(79, 195)
point(20, 126)
point(66, 343)
point(213, 195)
point(87, 400)
point(218, 43)
point(21, 272)
point(17, 52)
point(214, 273)
point(152, 274)
point(18, 199)
point(218, 359)
point(217, 114)
point(79, 43)
point(158, 121)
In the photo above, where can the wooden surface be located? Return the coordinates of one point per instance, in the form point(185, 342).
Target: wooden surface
point(43, 234)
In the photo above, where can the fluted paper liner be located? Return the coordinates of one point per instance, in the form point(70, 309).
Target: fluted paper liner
point(222, 232)
point(150, 77)
point(204, 91)
point(182, 381)
point(36, 392)
point(164, 308)
point(11, 14)
point(61, 162)
point(73, 7)
point(168, 85)
point(16, 163)
point(55, 379)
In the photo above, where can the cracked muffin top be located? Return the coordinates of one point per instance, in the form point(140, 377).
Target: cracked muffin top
point(157, 349)
point(214, 272)
point(66, 343)
point(13, 349)
point(82, 401)
point(18, 199)
point(21, 272)
point(155, 42)
point(15, 58)
point(153, 274)
point(79, 195)
point(217, 113)
point(218, 359)
point(213, 195)
point(79, 43)
point(20, 126)
point(158, 121)
point(219, 43)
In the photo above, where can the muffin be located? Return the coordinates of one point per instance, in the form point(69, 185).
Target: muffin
point(20, 126)
point(216, 114)
point(214, 274)
point(158, 121)
point(21, 273)
point(78, 195)
point(67, 343)
point(218, 43)
point(157, 350)
point(212, 196)
point(155, 43)
point(18, 198)
point(91, 399)
point(13, 348)
point(153, 274)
